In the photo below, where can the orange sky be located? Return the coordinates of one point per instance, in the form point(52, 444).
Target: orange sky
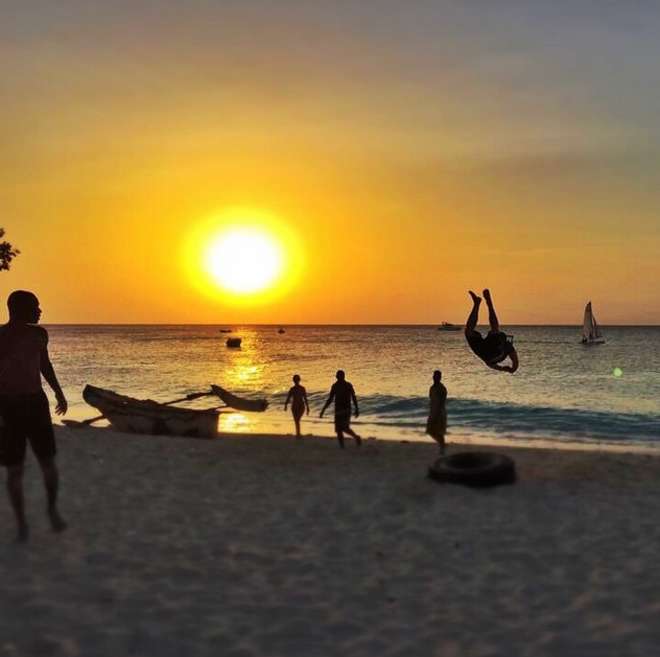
point(413, 163)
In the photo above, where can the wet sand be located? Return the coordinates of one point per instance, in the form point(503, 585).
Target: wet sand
point(274, 547)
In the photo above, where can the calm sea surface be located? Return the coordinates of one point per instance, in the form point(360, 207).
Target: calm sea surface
point(563, 390)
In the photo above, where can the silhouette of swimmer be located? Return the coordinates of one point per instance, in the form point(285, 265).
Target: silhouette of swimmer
point(495, 347)
point(24, 405)
point(436, 425)
point(298, 398)
point(342, 393)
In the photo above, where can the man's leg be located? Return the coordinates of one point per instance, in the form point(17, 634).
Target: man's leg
point(51, 482)
point(473, 317)
point(340, 438)
point(350, 432)
point(297, 423)
point(492, 317)
point(15, 491)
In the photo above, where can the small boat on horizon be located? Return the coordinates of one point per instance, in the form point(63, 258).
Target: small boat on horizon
point(281, 330)
point(591, 333)
point(448, 326)
point(225, 330)
point(233, 343)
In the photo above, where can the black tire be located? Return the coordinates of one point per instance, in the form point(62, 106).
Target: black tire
point(478, 469)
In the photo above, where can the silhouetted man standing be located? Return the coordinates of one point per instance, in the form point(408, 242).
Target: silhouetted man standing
point(24, 405)
point(342, 393)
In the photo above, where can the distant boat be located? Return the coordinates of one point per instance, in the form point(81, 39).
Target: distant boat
point(281, 330)
point(447, 326)
point(590, 330)
point(233, 343)
point(225, 330)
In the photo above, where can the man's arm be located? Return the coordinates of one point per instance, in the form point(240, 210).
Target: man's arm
point(499, 368)
point(288, 398)
point(49, 374)
point(514, 361)
point(329, 401)
point(357, 410)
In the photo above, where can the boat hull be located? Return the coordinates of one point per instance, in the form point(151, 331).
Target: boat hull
point(131, 415)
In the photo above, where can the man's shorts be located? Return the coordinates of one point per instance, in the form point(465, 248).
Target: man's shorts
point(342, 419)
point(25, 417)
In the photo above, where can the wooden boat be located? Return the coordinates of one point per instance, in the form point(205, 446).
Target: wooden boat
point(281, 330)
point(240, 403)
point(233, 343)
point(147, 416)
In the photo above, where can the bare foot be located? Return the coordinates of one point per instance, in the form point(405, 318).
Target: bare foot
point(358, 440)
point(487, 295)
point(57, 523)
point(475, 298)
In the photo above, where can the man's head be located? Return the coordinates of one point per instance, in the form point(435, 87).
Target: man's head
point(341, 375)
point(437, 376)
point(23, 307)
point(296, 378)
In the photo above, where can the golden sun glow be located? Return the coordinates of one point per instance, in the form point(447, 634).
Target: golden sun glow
point(244, 260)
point(243, 257)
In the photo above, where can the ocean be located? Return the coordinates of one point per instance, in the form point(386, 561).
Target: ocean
point(563, 391)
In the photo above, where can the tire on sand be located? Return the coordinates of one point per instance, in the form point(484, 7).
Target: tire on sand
point(478, 469)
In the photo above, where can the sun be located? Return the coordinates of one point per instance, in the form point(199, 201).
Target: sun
point(244, 260)
point(243, 257)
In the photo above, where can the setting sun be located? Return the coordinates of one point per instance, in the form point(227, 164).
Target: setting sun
point(244, 261)
point(243, 257)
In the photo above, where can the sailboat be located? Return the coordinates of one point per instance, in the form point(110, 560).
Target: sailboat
point(590, 330)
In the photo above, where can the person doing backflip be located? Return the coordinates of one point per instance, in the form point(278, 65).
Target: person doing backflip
point(342, 393)
point(24, 406)
point(495, 347)
point(298, 398)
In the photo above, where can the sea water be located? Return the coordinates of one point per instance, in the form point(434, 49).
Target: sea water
point(563, 391)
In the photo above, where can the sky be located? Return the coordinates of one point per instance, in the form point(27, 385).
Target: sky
point(416, 149)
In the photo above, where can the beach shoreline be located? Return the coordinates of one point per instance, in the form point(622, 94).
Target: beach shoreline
point(265, 545)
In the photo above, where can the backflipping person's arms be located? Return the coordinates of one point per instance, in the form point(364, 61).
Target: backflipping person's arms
point(48, 373)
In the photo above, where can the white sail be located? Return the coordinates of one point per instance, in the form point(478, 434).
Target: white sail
point(590, 330)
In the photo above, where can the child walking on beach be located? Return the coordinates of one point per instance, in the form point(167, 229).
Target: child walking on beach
point(24, 405)
point(342, 393)
point(298, 398)
point(436, 425)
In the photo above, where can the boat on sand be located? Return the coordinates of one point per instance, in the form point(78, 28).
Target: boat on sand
point(147, 416)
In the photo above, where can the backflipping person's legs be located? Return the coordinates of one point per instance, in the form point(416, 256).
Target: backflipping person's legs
point(473, 317)
point(492, 317)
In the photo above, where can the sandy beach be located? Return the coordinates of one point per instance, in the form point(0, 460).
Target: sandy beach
point(267, 546)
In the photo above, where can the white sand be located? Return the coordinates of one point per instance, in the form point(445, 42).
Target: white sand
point(264, 546)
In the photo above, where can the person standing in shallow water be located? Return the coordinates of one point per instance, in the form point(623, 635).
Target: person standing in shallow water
point(298, 398)
point(436, 425)
point(24, 405)
point(343, 393)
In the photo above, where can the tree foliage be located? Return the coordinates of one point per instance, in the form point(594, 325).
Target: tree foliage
point(7, 252)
